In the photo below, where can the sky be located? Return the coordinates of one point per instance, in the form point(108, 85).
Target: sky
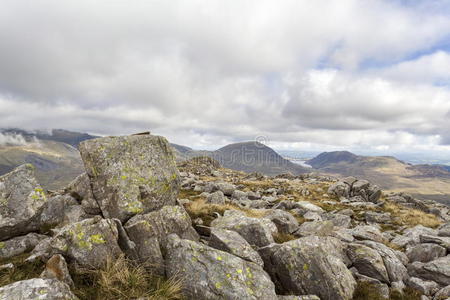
point(295, 74)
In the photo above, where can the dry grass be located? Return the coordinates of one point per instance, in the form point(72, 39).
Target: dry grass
point(410, 217)
point(22, 270)
point(281, 238)
point(206, 211)
point(123, 279)
point(366, 291)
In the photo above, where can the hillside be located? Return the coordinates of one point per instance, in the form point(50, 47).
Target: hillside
point(255, 157)
point(422, 181)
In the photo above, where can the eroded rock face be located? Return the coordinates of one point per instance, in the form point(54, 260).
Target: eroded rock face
point(211, 274)
point(22, 200)
point(257, 232)
point(38, 288)
point(308, 266)
point(368, 262)
point(425, 252)
point(87, 244)
point(130, 174)
point(149, 233)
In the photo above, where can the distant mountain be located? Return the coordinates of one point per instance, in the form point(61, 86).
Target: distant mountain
point(54, 154)
point(255, 157)
point(423, 181)
point(58, 135)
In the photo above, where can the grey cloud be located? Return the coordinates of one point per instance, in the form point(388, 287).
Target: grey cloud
point(212, 72)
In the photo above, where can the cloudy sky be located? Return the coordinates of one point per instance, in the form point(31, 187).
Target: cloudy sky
point(300, 74)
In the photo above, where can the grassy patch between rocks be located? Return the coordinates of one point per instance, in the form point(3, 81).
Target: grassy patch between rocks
point(367, 291)
point(123, 279)
point(281, 238)
point(411, 217)
point(22, 270)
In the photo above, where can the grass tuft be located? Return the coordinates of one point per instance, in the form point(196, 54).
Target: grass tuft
point(123, 279)
point(281, 238)
point(22, 270)
point(410, 217)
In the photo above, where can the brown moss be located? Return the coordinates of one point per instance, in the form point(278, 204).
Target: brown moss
point(410, 217)
point(283, 237)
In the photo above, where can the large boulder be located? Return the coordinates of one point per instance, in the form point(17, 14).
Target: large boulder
point(87, 244)
point(231, 242)
point(38, 289)
point(257, 232)
point(22, 200)
point(210, 274)
point(131, 174)
point(308, 266)
point(149, 233)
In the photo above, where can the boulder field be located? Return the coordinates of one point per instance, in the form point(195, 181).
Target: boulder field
point(222, 234)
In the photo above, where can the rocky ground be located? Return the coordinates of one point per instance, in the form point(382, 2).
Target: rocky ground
point(135, 226)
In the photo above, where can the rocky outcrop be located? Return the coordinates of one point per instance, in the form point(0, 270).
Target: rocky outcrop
point(130, 174)
point(210, 274)
point(149, 233)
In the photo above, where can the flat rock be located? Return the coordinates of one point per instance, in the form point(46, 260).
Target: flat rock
point(437, 270)
point(257, 232)
point(131, 174)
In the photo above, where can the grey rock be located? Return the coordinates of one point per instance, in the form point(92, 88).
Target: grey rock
point(80, 189)
point(257, 232)
point(339, 189)
point(237, 194)
point(38, 288)
point(443, 294)
point(340, 220)
point(303, 297)
point(253, 196)
point(374, 217)
point(368, 232)
point(285, 222)
point(381, 289)
point(304, 266)
point(131, 174)
point(394, 266)
point(437, 270)
point(411, 236)
point(21, 202)
point(425, 252)
point(318, 228)
point(312, 216)
point(368, 262)
point(427, 288)
point(19, 245)
point(226, 188)
point(216, 198)
point(149, 233)
point(231, 242)
point(440, 240)
point(444, 230)
point(213, 274)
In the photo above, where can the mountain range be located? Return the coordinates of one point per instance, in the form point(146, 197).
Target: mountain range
point(57, 161)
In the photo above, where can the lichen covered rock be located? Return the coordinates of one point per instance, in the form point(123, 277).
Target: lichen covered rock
point(211, 274)
point(308, 266)
point(131, 174)
point(37, 289)
point(22, 200)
